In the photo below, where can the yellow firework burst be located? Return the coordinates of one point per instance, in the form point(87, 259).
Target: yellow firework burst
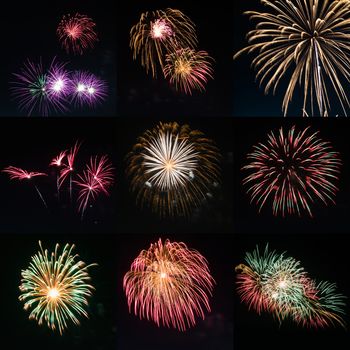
point(159, 31)
point(188, 69)
point(55, 286)
point(173, 169)
point(308, 39)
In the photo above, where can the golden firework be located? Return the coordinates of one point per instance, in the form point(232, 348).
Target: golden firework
point(308, 39)
point(159, 32)
point(173, 169)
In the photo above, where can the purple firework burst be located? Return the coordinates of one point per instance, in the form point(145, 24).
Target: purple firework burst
point(33, 88)
point(87, 88)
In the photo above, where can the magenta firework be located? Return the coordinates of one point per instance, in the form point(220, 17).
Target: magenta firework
point(87, 89)
point(292, 170)
point(40, 91)
point(33, 91)
point(76, 33)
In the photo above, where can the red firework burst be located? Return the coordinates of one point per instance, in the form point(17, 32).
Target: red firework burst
point(97, 178)
point(68, 167)
point(293, 170)
point(77, 33)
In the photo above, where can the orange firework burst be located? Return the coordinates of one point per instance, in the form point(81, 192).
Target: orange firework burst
point(159, 31)
point(169, 284)
point(173, 169)
point(188, 69)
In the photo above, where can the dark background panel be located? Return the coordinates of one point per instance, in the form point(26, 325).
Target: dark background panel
point(140, 94)
point(331, 218)
point(29, 32)
point(325, 258)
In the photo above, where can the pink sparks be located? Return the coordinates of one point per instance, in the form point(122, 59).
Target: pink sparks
point(77, 33)
point(101, 171)
point(69, 167)
point(95, 179)
point(21, 174)
point(58, 160)
point(161, 29)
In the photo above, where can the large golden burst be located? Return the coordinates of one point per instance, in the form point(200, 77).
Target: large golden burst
point(56, 287)
point(173, 169)
point(169, 284)
point(159, 32)
point(309, 39)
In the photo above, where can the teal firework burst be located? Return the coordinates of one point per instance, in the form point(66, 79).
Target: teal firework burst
point(55, 287)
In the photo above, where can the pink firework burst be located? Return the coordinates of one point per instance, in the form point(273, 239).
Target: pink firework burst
point(58, 83)
point(161, 30)
point(97, 178)
point(188, 69)
point(292, 170)
point(57, 161)
point(169, 284)
point(87, 89)
point(21, 174)
point(68, 167)
point(101, 171)
point(76, 33)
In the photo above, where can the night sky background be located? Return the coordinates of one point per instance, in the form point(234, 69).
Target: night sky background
point(30, 33)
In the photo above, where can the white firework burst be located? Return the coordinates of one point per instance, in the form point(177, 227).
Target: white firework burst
point(170, 161)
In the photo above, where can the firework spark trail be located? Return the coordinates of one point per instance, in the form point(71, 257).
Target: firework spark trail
point(293, 170)
point(87, 89)
point(188, 69)
point(58, 162)
point(76, 33)
point(68, 168)
point(173, 168)
point(308, 39)
point(39, 91)
point(56, 287)
point(274, 283)
point(159, 32)
point(169, 284)
point(97, 178)
point(21, 174)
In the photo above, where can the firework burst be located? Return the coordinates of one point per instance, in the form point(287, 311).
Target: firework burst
point(21, 174)
point(39, 91)
point(97, 178)
point(55, 286)
point(308, 39)
point(173, 168)
point(188, 69)
point(293, 170)
point(87, 89)
point(169, 284)
point(76, 33)
point(271, 282)
point(159, 32)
